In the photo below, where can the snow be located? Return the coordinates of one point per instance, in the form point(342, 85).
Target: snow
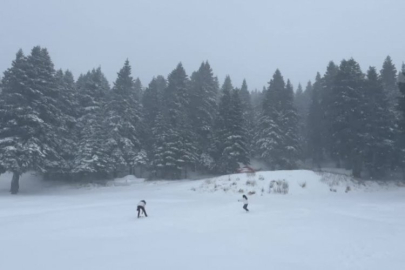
point(192, 226)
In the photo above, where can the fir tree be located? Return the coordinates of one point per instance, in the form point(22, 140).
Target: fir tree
point(93, 156)
point(248, 114)
point(316, 130)
point(123, 116)
point(138, 89)
point(347, 111)
point(69, 106)
point(401, 120)
point(152, 102)
point(379, 121)
point(30, 134)
point(230, 140)
point(173, 133)
point(326, 103)
point(276, 138)
point(389, 82)
point(203, 109)
point(302, 103)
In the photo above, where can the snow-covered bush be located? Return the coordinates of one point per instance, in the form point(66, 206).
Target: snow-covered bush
point(251, 183)
point(279, 186)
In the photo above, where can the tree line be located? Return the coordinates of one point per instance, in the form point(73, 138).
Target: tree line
point(71, 129)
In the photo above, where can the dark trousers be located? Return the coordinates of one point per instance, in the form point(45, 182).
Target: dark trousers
point(141, 208)
point(245, 207)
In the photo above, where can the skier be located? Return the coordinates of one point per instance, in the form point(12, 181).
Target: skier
point(141, 206)
point(245, 202)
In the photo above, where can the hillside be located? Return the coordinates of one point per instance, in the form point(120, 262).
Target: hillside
point(192, 226)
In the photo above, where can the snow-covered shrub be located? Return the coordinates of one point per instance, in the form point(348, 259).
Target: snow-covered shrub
point(251, 183)
point(241, 191)
point(285, 187)
point(261, 177)
point(333, 189)
point(303, 184)
point(251, 193)
point(207, 161)
point(279, 186)
point(348, 189)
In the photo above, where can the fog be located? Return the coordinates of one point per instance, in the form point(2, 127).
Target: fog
point(245, 39)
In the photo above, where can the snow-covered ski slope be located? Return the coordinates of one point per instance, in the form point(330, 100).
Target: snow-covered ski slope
point(197, 225)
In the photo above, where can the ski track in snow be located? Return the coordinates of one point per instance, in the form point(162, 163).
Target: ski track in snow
point(61, 227)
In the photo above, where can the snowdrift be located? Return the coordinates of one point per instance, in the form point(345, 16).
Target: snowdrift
point(287, 182)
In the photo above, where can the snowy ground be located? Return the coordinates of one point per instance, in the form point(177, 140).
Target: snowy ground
point(197, 225)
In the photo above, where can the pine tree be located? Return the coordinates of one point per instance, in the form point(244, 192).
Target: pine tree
point(138, 89)
point(152, 102)
point(203, 109)
point(389, 82)
point(174, 139)
point(93, 156)
point(326, 103)
point(31, 118)
point(123, 120)
point(347, 111)
point(379, 121)
point(302, 103)
point(248, 114)
point(230, 140)
point(69, 106)
point(316, 130)
point(276, 137)
point(289, 123)
point(401, 119)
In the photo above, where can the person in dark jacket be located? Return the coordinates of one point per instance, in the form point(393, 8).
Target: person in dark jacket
point(245, 202)
point(141, 207)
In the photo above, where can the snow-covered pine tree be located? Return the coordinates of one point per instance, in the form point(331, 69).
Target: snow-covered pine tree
point(174, 149)
point(276, 138)
point(389, 81)
point(348, 118)
point(401, 120)
point(302, 103)
point(151, 102)
point(203, 109)
point(380, 123)
point(230, 136)
point(315, 129)
point(326, 102)
point(248, 114)
point(138, 89)
point(123, 115)
point(289, 123)
point(69, 106)
point(269, 135)
point(92, 156)
point(14, 154)
point(30, 133)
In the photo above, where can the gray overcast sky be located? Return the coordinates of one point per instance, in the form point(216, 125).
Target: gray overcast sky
point(243, 38)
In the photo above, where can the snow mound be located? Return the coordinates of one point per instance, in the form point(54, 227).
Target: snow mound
point(286, 182)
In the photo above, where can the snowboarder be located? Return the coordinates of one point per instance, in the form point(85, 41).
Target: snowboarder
point(245, 202)
point(141, 207)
